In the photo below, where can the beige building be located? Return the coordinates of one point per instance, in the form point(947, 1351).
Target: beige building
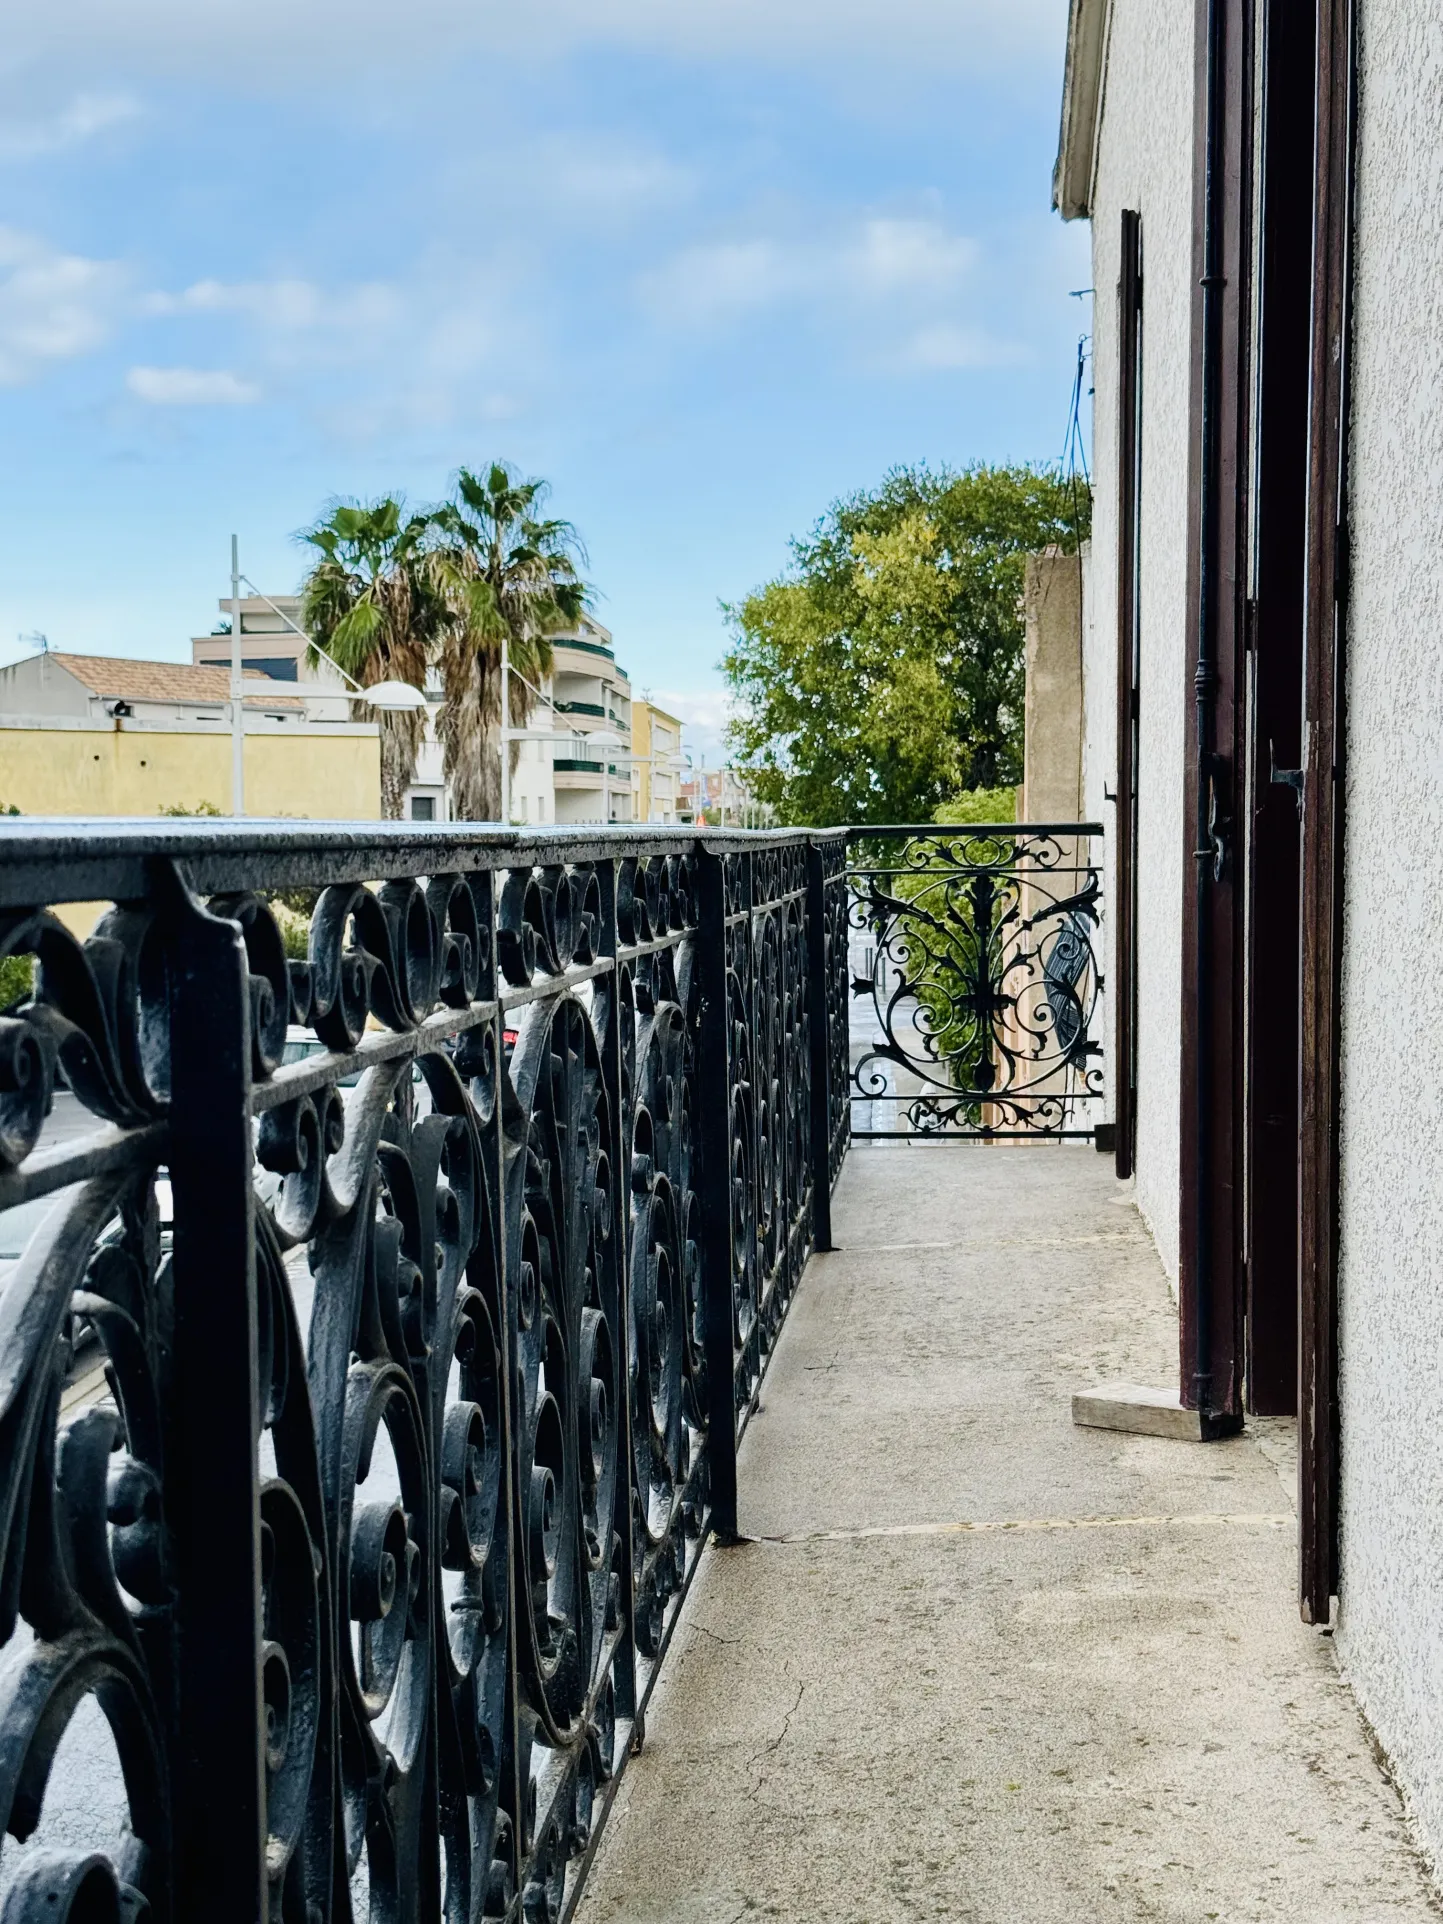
point(109, 735)
point(656, 765)
point(270, 645)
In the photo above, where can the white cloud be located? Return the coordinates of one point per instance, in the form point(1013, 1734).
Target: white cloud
point(84, 117)
point(280, 43)
point(718, 281)
point(908, 256)
point(598, 177)
point(284, 305)
point(945, 345)
point(53, 306)
point(190, 387)
point(812, 28)
point(877, 260)
point(369, 361)
point(704, 715)
point(707, 708)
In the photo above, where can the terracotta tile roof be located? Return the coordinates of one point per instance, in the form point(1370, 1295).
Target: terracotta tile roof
point(116, 678)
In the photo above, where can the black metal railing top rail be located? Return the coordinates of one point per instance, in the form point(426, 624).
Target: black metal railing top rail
point(974, 964)
point(409, 1218)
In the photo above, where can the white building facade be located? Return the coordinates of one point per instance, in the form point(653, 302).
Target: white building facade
point(573, 762)
point(273, 645)
point(1264, 699)
point(592, 697)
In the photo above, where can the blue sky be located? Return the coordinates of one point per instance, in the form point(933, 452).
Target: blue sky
point(704, 266)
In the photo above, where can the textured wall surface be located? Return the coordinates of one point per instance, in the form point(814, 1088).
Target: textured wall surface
point(1145, 162)
point(1052, 755)
point(115, 771)
point(1391, 1307)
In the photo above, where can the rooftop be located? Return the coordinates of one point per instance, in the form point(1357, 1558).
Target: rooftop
point(122, 678)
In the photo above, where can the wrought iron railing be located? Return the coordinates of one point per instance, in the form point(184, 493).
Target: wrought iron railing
point(372, 1378)
point(374, 1360)
point(973, 959)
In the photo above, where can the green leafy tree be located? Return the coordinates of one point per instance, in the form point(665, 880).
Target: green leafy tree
point(17, 980)
point(373, 602)
point(506, 571)
point(986, 807)
point(883, 675)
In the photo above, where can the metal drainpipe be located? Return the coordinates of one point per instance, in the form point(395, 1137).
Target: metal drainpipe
point(1209, 847)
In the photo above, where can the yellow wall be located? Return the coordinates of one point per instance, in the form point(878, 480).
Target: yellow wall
point(641, 740)
point(75, 771)
point(641, 747)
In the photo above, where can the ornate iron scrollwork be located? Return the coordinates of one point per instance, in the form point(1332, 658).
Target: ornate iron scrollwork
point(488, 1403)
point(972, 954)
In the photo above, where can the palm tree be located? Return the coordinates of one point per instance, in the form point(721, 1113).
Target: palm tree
point(505, 572)
point(371, 601)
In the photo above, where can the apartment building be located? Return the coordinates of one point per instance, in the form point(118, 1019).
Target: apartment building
point(272, 644)
point(656, 763)
point(591, 695)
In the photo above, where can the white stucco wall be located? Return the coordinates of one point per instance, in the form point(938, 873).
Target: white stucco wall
point(1145, 162)
point(1391, 1294)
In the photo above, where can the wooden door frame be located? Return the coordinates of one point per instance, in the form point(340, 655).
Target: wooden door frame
point(1210, 1271)
point(1214, 974)
point(1323, 799)
point(1278, 520)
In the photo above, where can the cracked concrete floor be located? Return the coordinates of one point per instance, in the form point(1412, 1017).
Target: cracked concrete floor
point(976, 1663)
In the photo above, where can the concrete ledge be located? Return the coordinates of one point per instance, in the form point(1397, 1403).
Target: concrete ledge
point(1135, 1407)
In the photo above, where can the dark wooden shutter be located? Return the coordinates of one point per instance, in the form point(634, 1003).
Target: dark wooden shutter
point(1279, 482)
point(1129, 497)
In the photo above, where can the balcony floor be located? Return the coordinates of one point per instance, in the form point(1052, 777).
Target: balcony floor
point(976, 1663)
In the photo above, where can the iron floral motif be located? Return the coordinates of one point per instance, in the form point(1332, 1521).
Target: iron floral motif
point(981, 981)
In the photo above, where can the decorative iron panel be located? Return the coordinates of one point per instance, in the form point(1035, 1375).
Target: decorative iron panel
point(769, 1083)
point(975, 982)
point(363, 1390)
point(386, 1320)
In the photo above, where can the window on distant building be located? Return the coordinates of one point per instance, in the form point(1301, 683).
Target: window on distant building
point(278, 667)
point(423, 808)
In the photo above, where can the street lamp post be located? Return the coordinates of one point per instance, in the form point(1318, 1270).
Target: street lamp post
point(505, 730)
point(237, 710)
point(390, 697)
point(607, 741)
